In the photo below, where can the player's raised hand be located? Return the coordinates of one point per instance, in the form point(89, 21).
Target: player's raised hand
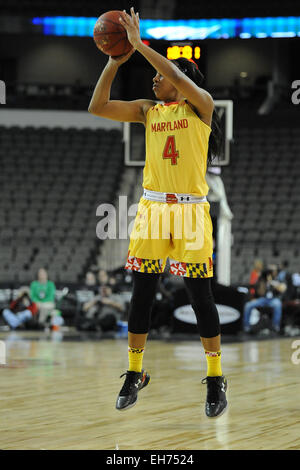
point(132, 25)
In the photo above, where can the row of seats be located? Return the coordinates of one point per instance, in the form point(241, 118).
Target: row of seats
point(262, 188)
point(52, 182)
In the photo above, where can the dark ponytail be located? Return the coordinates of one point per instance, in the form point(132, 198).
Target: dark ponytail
point(190, 69)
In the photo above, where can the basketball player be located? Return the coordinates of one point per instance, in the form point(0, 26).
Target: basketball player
point(181, 136)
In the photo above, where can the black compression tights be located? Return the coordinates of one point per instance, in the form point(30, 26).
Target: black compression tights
point(201, 298)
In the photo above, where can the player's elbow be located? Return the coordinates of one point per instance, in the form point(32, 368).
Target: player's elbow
point(97, 110)
point(94, 106)
point(92, 109)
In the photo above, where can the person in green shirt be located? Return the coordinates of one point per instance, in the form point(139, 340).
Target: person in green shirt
point(42, 291)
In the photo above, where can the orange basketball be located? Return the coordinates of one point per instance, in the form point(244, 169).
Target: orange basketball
point(110, 36)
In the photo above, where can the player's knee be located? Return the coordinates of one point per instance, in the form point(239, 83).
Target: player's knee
point(208, 325)
point(207, 317)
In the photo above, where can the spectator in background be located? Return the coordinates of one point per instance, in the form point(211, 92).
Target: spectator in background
point(110, 301)
point(106, 279)
point(20, 310)
point(115, 284)
point(103, 277)
point(90, 282)
point(268, 290)
point(255, 275)
point(283, 274)
point(42, 291)
point(104, 310)
point(112, 282)
point(105, 297)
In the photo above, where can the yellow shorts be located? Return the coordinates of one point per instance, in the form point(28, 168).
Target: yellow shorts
point(180, 232)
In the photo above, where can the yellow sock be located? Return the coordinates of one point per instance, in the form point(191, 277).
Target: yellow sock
point(135, 359)
point(213, 360)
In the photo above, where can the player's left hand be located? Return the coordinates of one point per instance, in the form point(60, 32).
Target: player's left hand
point(121, 59)
point(132, 25)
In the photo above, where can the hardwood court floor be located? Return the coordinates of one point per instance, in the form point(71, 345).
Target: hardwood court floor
point(61, 395)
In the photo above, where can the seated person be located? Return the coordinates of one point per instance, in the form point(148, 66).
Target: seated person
point(268, 292)
point(104, 310)
point(90, 279)
point(103, 277)
point(42, 292)
point(20, 310)
point(255, 275)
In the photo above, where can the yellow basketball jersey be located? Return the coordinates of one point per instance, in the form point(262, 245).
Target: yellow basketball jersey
point(176, 150)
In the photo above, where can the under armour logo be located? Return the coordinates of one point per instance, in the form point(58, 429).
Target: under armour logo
point(138, 383)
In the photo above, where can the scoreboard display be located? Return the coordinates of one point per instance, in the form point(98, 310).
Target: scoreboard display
point(192, 50)
point(188, 51)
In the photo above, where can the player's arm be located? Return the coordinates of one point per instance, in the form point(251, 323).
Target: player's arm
point(124, 111)
point(198, 97)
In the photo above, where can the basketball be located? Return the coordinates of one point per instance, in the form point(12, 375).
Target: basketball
point(110, 36)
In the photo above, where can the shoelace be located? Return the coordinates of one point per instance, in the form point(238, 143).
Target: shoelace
point(212, 380)
point(129, 381)
point(213, 389)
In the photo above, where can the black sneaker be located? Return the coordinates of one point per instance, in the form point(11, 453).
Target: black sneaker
point(216, 402)
point(134, 382)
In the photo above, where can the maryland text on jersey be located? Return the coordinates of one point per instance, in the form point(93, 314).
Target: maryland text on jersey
point(169, 126)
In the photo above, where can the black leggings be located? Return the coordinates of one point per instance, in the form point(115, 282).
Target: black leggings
point(200, 295)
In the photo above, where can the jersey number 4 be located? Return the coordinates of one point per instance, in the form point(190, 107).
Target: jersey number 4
point(170, 150)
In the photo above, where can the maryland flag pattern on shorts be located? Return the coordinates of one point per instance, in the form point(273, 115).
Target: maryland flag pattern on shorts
point(176, 267)
point(144, 265)
point(196, 269)
point(190, 269)
point(151, 266)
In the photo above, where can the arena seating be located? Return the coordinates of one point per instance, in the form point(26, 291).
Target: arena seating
point(51, 182)
point(262, 184)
